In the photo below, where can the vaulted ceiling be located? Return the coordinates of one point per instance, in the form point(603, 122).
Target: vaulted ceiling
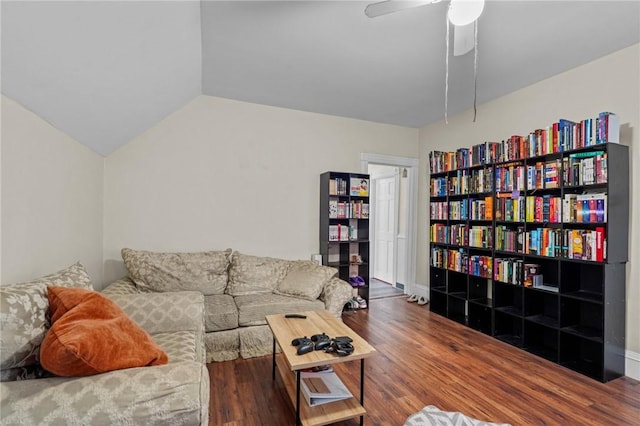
point(104, 72)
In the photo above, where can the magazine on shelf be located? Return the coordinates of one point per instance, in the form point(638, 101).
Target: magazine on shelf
point(322, 388)
point(359, 187)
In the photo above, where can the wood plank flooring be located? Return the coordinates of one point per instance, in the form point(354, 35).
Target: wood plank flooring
point(425, 359)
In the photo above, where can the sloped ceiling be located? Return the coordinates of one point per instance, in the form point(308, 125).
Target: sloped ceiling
point(103, 72)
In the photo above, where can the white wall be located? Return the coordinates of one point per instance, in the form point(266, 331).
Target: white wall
point(220, 173)
point(610, 83)
point(51, 199)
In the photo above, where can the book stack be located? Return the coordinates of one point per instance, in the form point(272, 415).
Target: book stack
point(337, 186)
point(481, 209)
point(440, 161)
point(449, 234)
point(510, 207)
point(481, 236)
point(508, 270)
point(439, 210)
point(545, 208)
point(584, 208)
point(438, 187)
point(348, 210)
point(543, 242)
point(481, 180)
point(583, 244)
point(480, 266)
point(459, 184)
point(458, 210)
point(510, 177)
point(508, 239)
point(585, 168)
point(342, 233)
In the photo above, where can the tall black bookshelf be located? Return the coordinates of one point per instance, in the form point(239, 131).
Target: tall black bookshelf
point(565, 299)
point(344, 226)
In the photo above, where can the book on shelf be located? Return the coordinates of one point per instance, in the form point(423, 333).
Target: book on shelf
point(340, 232)
point(337, 186)
point(608, 128)
point(563, 135)
point(322, 388)
point(532, 275)
point(333, 209)
point(359, 187)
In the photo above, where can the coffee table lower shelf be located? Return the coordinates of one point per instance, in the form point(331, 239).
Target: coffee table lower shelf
point(320, 414)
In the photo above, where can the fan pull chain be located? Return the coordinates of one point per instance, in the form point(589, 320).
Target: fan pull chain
point(475, 68)
point(446, 73)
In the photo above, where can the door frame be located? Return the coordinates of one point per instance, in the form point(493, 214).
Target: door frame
point(411, 164)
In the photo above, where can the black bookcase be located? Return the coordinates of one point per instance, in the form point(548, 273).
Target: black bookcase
point(560, 303)
point(344, 226)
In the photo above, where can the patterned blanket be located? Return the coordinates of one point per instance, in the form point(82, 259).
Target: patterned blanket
point(432, 416)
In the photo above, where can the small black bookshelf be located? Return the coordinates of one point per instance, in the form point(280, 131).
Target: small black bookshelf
point(344, 226)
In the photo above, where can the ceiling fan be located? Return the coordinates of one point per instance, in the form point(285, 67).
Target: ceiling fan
point(462, 14)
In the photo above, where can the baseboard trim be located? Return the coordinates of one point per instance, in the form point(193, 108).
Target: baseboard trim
point(420, 290)
point(632, 365)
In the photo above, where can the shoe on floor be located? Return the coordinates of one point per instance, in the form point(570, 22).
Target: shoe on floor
point(422, 300)
point(361, 302)
point(354, 302)
point(413, 298)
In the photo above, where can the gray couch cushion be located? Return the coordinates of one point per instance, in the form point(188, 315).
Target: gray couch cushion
point(254, 274)
point(305, 279)
point(253, 308)
point(222, 345)
point(24, 319)
point(205, 272)
point(220, 313)
point(175, 393)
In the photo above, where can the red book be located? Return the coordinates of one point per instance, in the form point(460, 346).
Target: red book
point(600, 244)
point(538, 210)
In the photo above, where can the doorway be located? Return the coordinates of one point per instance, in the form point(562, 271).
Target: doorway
point(392, 227)
point(384, 221)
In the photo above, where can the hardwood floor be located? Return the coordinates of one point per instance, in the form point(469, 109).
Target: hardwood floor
point(425, 359)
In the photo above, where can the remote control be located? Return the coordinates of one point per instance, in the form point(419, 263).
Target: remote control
point(295, 316)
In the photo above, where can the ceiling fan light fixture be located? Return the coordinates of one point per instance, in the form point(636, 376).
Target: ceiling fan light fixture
point(464, 12)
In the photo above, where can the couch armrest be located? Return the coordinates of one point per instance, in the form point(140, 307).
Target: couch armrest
point(164, 312)
point(335, 294)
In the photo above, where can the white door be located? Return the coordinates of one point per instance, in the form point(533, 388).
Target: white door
point(385, 229)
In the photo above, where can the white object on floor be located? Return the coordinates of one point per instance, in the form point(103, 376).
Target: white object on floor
point(433, 416)
point(422, 300)
point(413, 298)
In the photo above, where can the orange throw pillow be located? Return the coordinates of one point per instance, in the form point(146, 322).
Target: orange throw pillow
point(90, 334)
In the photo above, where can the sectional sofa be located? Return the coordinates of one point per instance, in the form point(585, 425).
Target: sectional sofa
point(174, 393)
point(239, 290)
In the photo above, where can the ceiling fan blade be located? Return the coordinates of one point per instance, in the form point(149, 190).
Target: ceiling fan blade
point(463, 39)
point(389, 6)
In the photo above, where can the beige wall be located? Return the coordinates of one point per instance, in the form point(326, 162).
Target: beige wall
point(220, 173)
point(607, 84)
point(51, 199)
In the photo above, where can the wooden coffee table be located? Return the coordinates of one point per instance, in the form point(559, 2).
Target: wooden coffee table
point(317, 322)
